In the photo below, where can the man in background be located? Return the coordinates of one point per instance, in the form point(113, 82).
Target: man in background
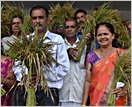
point(72, 90)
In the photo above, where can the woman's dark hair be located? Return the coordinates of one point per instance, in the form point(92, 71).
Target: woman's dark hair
point(17, 16)
point(111, 29)
point(40, 7)
point(108, 25)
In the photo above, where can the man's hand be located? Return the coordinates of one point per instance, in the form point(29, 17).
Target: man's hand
point(89, 37)
point(72, 52)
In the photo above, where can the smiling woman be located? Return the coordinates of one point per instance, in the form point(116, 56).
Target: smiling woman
point(100, 66)
point(105, 34)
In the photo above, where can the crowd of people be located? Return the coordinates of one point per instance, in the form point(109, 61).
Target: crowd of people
point(83, 83)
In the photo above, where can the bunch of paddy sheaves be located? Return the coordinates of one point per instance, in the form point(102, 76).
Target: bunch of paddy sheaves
point(104, 14)
point(32, 51)
point(59, 13)
point(122, 73)
point(35, 55)
point(7, 12)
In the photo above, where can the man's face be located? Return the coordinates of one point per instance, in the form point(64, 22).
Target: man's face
point(60, 29)
point(70, 29)
point(16, 25)
point(81, 17)
point(38, 18)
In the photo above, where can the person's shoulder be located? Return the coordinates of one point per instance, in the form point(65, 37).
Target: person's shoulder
point(6, 38)
point(57, 35)
point(91, 53)
point(6, 58)
point(121, 51)
point(96, 51)
point(54, 35)
point(9, 58)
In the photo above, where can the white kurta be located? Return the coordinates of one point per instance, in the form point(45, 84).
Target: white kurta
point(72, 89)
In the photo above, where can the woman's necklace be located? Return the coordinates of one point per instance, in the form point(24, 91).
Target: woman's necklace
point(106, 60)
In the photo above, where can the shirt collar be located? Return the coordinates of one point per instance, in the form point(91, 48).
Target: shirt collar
point(79, 32)
point(77, 41)
point(14, 36)
point(47, 35)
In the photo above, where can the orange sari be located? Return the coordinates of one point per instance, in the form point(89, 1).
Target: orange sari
point(101, 74)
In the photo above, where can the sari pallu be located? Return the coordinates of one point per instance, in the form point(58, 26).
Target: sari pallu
point(101, 74)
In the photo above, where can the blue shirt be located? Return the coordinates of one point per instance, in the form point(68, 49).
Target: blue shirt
point(79, 35)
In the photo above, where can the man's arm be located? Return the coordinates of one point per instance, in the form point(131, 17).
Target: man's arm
point(58, 72)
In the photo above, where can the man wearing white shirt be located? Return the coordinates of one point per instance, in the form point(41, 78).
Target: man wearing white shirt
point(39, 16)
point(72, 90)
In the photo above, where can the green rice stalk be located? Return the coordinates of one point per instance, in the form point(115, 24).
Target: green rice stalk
point(85, 29)
point(3, 92)
point(31, 98)
point(34, 54)
point(105, 14)
point(122, 73)
point(111, 99)
point(59, 13)
point(7, 12)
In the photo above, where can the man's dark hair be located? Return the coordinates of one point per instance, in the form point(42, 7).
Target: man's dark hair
point(40, 7)
point(17, 16)
point(79, 11)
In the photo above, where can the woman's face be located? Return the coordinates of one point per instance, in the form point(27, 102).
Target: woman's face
point(104, 36)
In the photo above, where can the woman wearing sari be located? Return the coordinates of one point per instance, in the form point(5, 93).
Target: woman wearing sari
point(99, 69)
point(8, 79)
